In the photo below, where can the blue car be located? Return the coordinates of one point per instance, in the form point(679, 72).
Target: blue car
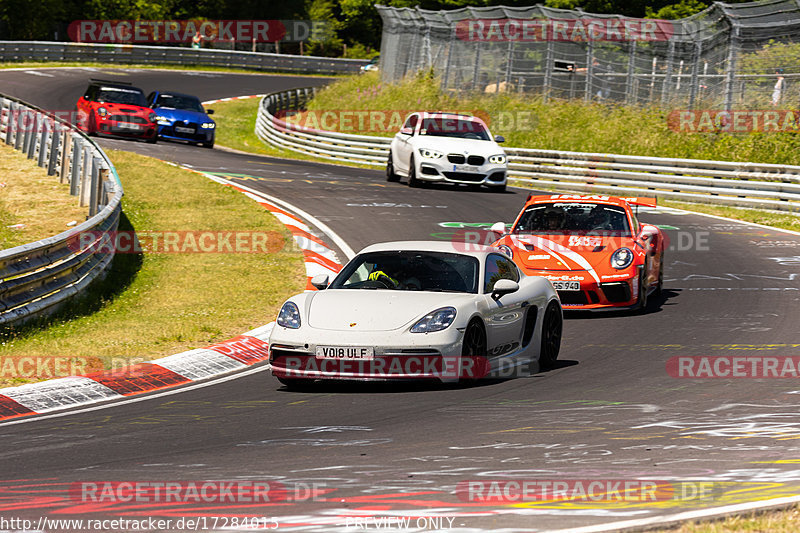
point(181, 117)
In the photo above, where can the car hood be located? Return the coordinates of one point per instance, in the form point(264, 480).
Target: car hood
point(569, 252)
point(450, 145)
point(182, 114)
point(375, 310)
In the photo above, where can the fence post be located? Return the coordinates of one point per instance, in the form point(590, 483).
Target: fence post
point(86, 175)
point(75, 177)
point(43, 124)
point(667, 84)
point(446, 76)
point(630, 97)
point(509, 62)
point(587, 96)
point(10, 129)
point(476, 70)
point(94, 185)
point(54, 146)
point(63, 176)
point(31, 146)
point(730, 69)
point(548, 71)
point(22, 140)
point(695, 83)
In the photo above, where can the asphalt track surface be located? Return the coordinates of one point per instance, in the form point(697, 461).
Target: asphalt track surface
point(609, 411)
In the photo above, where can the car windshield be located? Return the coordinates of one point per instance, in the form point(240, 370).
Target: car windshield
point(460, 128)
point(410, 271)
point(174, 101)
point(121, 95)
point(569, 218)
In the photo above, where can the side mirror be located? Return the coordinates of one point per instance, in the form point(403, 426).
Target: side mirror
point(406, 131)
point(209, 111)
point(503, 287)
point(320, 281)
point(499, 139)
point(499, 228)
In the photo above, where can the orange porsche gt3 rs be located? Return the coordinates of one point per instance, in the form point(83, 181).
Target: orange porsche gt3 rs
point(592, 248)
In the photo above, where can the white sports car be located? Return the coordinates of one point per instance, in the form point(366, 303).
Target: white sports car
point(417, 309)
point(446, 147)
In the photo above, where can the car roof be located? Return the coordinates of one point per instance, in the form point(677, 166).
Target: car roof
point(445, 114)
point(175, 93)
point(475, 250)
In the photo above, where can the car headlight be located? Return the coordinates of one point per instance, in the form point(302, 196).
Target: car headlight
point(164, 121)
point(498, 159)
point(289, 317)
point(622, 258)
point(430, 154)
point(506, 250)
point(208, 125)
point(152, 117)
point(435, 320)
point(102, 111)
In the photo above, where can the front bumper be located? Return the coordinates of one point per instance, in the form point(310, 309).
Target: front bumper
point(615, 293)
point(200, 135)
point(398, 355)
point(125, 129)
point(440, 170)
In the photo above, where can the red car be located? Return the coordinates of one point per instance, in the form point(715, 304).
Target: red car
point(592, 248)
point(116, 108)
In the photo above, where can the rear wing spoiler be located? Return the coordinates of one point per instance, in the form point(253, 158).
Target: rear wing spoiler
point(646, 202)
point(631, 200)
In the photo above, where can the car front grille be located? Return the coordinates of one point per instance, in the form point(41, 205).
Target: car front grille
point(457, 159)
point(616, 292)
point(476, 160)
point(133, 119)
point(464, 176)
point(572, 298)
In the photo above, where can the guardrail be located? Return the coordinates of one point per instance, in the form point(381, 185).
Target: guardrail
point(37, 278)
point(755, 185)
point(173, 55)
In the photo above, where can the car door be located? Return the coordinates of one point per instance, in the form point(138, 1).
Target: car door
point(403, 148)
point(506, 315)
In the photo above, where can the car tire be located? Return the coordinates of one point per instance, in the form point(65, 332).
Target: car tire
point(390, 174)
point(412, 174)
point(643, 300)
point(552, 329)
point(154, 140)
point(208, 145)
point(296, 383)
point(660, 286)
point(474, 346)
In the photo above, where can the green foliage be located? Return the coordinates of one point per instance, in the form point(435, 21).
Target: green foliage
point(525, 120)
point(684, 8)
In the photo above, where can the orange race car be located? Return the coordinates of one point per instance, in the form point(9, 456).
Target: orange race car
point(592, 248)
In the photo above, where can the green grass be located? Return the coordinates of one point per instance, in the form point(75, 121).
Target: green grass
point(156, 304)
point(787, 521)
point(33, 205)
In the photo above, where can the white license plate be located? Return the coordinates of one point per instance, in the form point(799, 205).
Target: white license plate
point(128, 126)
point(181, 129)
point(345, 352)
point(567, 285)
point(464, 168)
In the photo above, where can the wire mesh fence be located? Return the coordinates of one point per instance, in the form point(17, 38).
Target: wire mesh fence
point(729, 56)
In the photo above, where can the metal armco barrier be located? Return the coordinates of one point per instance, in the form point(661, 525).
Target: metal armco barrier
point(755, 185)
point(173, 55)
point(37, 278)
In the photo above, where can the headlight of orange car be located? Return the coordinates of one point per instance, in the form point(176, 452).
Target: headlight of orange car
point(622, 258)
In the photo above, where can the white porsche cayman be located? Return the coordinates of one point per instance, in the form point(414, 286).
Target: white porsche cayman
point(418, 310)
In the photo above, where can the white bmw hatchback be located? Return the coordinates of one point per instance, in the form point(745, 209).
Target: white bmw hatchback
point(446, 147)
